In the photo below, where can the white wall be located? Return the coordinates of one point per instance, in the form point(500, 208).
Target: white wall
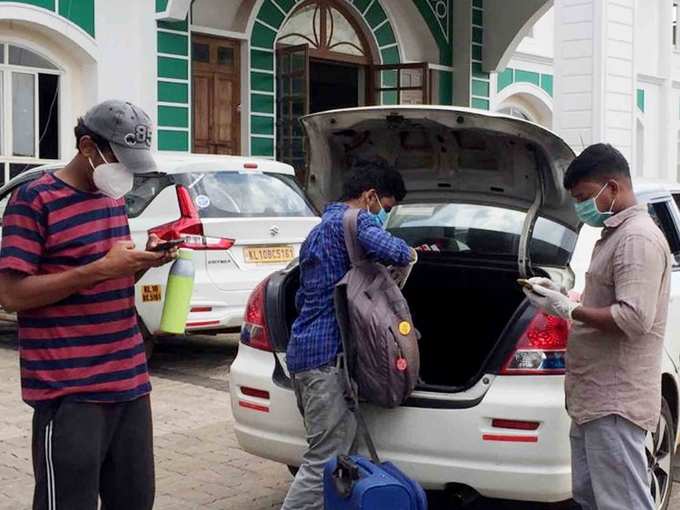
point(218, 14)
point(541, 42)
point(126, 37)
point(648, 26)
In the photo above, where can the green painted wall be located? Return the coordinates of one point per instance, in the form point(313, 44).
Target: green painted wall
point(45, 4)
point(511, 76)
point(174, 44)
point(480, 81)
point(173, 140)
point(80, 12)
point(174, 73)
point(170, 92)
point(445, 87)
point(440, 22)
point(641, 100)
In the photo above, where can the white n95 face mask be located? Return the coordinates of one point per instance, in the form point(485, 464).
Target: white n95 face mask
point(113, 179)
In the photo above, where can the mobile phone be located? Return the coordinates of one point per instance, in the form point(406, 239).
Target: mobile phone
point(525, 283)
point(167, 245)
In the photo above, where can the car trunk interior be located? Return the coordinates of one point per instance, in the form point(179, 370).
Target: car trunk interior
point(461, 310)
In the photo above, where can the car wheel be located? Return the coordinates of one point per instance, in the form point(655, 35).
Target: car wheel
point(293, 470)
point(659, 448)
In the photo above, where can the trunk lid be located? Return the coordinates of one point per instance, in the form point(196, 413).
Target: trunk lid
point(447, 154)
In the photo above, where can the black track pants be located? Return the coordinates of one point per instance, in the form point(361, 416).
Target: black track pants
point(83, 451)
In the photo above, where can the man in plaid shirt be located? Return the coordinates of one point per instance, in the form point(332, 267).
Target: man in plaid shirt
point(315, 341)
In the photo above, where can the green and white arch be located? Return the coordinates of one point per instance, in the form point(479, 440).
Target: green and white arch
point(270, 18)
point(438, 14)
point(78, 12)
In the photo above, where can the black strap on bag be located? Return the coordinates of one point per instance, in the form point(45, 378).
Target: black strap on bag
point(344, 476)
point(350, 388)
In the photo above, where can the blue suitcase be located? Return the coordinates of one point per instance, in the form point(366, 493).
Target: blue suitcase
point(357, 483)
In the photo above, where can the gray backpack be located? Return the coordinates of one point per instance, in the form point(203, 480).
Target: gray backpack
point(379, 340)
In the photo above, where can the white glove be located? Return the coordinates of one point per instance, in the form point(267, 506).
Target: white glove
point(552, 302)
point(548, 284)
point(400, 274)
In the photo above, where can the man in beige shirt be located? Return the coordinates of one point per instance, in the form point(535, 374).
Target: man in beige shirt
point(613, 382)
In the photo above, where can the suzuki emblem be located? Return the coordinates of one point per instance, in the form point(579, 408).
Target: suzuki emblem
point(274, 231)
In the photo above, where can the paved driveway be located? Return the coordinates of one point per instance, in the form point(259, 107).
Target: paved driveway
point(199, 464)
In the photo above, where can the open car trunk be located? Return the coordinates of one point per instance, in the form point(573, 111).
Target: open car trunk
point(462, 311)
point(485, 197)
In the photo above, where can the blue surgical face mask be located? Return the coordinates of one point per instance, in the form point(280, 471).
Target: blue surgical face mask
point(588, 212)
point(381, 217)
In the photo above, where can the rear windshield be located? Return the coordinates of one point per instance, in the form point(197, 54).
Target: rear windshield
point(228, 194)
point(469, 229)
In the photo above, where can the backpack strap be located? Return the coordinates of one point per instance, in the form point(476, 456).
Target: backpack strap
point(342, 314)
point(350, 223)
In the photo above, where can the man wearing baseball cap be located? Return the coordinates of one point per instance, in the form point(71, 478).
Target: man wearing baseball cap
point(68, 268)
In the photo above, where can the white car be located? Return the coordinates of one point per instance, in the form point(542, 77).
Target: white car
point(489, 417)
point(244, 218)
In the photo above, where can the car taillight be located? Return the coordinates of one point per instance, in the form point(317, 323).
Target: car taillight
point(541, 350)
point(189, 227)
point(254, 331)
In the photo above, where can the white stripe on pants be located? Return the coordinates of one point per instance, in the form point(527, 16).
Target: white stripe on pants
point(49, 466)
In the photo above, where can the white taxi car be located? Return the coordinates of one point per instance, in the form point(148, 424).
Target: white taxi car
point(489, 414)
point(244, 218)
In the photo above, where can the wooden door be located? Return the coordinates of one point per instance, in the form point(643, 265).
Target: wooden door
point(216, 90)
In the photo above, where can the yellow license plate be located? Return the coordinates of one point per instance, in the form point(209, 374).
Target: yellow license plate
point(269, 254)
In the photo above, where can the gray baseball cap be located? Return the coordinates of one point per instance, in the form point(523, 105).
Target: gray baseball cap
point(128, 129)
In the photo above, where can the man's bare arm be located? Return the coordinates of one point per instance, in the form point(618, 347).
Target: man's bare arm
point(598, 318)
point(19, 292)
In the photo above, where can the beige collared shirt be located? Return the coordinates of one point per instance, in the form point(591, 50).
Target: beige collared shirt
point(609, 373)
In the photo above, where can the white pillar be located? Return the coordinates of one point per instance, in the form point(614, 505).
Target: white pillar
point(595, 79)
point(668, 135)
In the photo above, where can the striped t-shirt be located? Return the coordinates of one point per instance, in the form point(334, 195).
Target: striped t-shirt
point(87, 346)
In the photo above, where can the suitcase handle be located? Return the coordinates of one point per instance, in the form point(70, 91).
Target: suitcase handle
point(344, 475)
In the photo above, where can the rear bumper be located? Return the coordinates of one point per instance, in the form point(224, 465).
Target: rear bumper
point(435, 446)
point(218, 309)
point(218, 318)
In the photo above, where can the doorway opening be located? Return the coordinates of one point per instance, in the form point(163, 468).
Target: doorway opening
point(335, 85)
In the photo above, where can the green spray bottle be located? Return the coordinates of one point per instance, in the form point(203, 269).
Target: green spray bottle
point(178, 293)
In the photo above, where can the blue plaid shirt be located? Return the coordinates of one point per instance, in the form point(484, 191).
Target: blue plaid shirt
point(324, 261)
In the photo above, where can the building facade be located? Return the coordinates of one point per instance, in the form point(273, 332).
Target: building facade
point(234, 76)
